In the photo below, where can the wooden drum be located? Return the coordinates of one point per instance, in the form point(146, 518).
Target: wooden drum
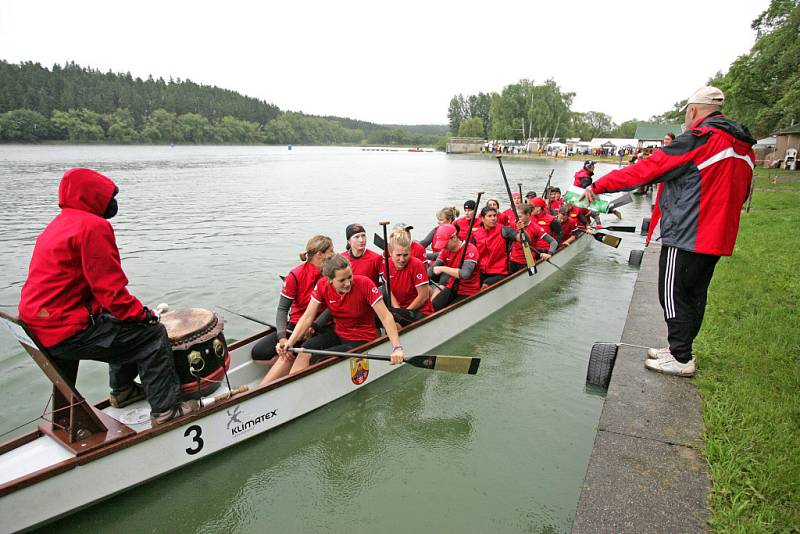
point(201, 353)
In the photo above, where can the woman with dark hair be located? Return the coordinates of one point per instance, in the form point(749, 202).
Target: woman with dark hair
point(535, 234)
point(492, 248)
point(364, 262)
point(353, 302)
point(294, 298)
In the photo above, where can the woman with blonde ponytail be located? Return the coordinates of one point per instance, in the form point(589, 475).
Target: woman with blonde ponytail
point(446, 215)
point(294, 298)
point(408, 277)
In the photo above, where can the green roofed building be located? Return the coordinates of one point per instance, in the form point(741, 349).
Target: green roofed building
point(651, 135)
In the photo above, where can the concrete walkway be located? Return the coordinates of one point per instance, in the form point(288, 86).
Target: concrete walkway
point(647, 472)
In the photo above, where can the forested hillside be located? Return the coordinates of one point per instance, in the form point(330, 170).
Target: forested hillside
point(78, 104)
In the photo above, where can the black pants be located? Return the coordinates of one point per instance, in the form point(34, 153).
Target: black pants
point(329, 340)
point(491, 279)
point(514, 266)
point(445, 298)
point(129, 349)
point(265, 348)
point(683, 279)
point(405, 317)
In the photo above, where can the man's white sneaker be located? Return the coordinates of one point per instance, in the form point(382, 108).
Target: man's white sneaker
point(654, 354)
point(671, 366)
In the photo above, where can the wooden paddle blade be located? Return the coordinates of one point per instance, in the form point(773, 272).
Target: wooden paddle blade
point(451, 364)
point(379, 242)
point(611, 240)
point(529, 259)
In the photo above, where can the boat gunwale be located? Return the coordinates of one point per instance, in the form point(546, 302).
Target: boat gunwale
point(144, 435)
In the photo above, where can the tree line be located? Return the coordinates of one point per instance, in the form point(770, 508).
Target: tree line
point(762, 90)
point(79, 105)
point(527, 110)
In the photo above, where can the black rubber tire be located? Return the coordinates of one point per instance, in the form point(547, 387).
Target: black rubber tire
point(601, 364)
point(645, 226)
point(635, 257)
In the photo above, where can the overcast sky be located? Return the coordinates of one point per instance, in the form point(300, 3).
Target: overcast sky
point(396, 62)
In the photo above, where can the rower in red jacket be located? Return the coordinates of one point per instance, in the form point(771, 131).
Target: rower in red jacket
point(417, 250)
point(555, 201)
point(354, 302)
point(408, 280)
point(583, 179)
point(364, 262)
point(492, 248)
point(548, 223)
point(535, 234)
point(568, 225)
point(706, 174)
point(462, 223)
point(75, 300)
point(507, 218)
point(294, 298)
point(448, 269)
point(447, 215)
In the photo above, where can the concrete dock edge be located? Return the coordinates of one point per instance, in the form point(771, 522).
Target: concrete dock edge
point(647, 471)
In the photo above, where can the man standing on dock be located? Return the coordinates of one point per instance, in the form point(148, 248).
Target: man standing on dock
point(706, 173)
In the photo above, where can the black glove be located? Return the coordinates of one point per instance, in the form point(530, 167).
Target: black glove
point(150, 316)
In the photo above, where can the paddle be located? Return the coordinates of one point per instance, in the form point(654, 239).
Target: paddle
point(616, 228)
point(433, 362)
point(606, 239)
point(386, 263)
point(243, 316)
point(546, 192)
point(379, 242)
point(466, 242)
point(526, 247)
point(619, 201)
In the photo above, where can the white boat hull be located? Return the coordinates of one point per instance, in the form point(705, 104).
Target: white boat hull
point(212, 431)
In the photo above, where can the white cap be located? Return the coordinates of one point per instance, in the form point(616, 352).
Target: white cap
point(706, 95)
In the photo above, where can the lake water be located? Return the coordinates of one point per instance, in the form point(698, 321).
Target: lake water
point(502, 451)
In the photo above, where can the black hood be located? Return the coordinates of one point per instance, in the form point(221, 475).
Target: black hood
point(720, 122)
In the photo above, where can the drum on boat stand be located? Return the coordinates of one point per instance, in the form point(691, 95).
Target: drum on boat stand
point(201, 353)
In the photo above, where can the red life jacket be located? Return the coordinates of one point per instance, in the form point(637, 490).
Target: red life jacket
point(492, 251)
point(543, 220)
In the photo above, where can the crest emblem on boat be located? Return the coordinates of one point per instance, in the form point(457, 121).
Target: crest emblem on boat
point(359, 370)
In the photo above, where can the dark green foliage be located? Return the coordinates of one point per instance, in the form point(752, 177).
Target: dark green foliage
point(84, 105)
point(24, 126)
point(31, 86)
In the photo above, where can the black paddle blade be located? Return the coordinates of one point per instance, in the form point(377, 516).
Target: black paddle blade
point(451, 364)
point(617, 228)
point(620, 201)
point(379, 242)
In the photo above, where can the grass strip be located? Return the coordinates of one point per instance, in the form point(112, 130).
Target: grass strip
point(749, 360)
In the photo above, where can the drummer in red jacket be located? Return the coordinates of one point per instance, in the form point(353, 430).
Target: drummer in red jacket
point(76, 304)
point(706, 174)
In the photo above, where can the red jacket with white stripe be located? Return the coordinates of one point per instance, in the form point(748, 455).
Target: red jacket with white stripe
point(706, 173)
